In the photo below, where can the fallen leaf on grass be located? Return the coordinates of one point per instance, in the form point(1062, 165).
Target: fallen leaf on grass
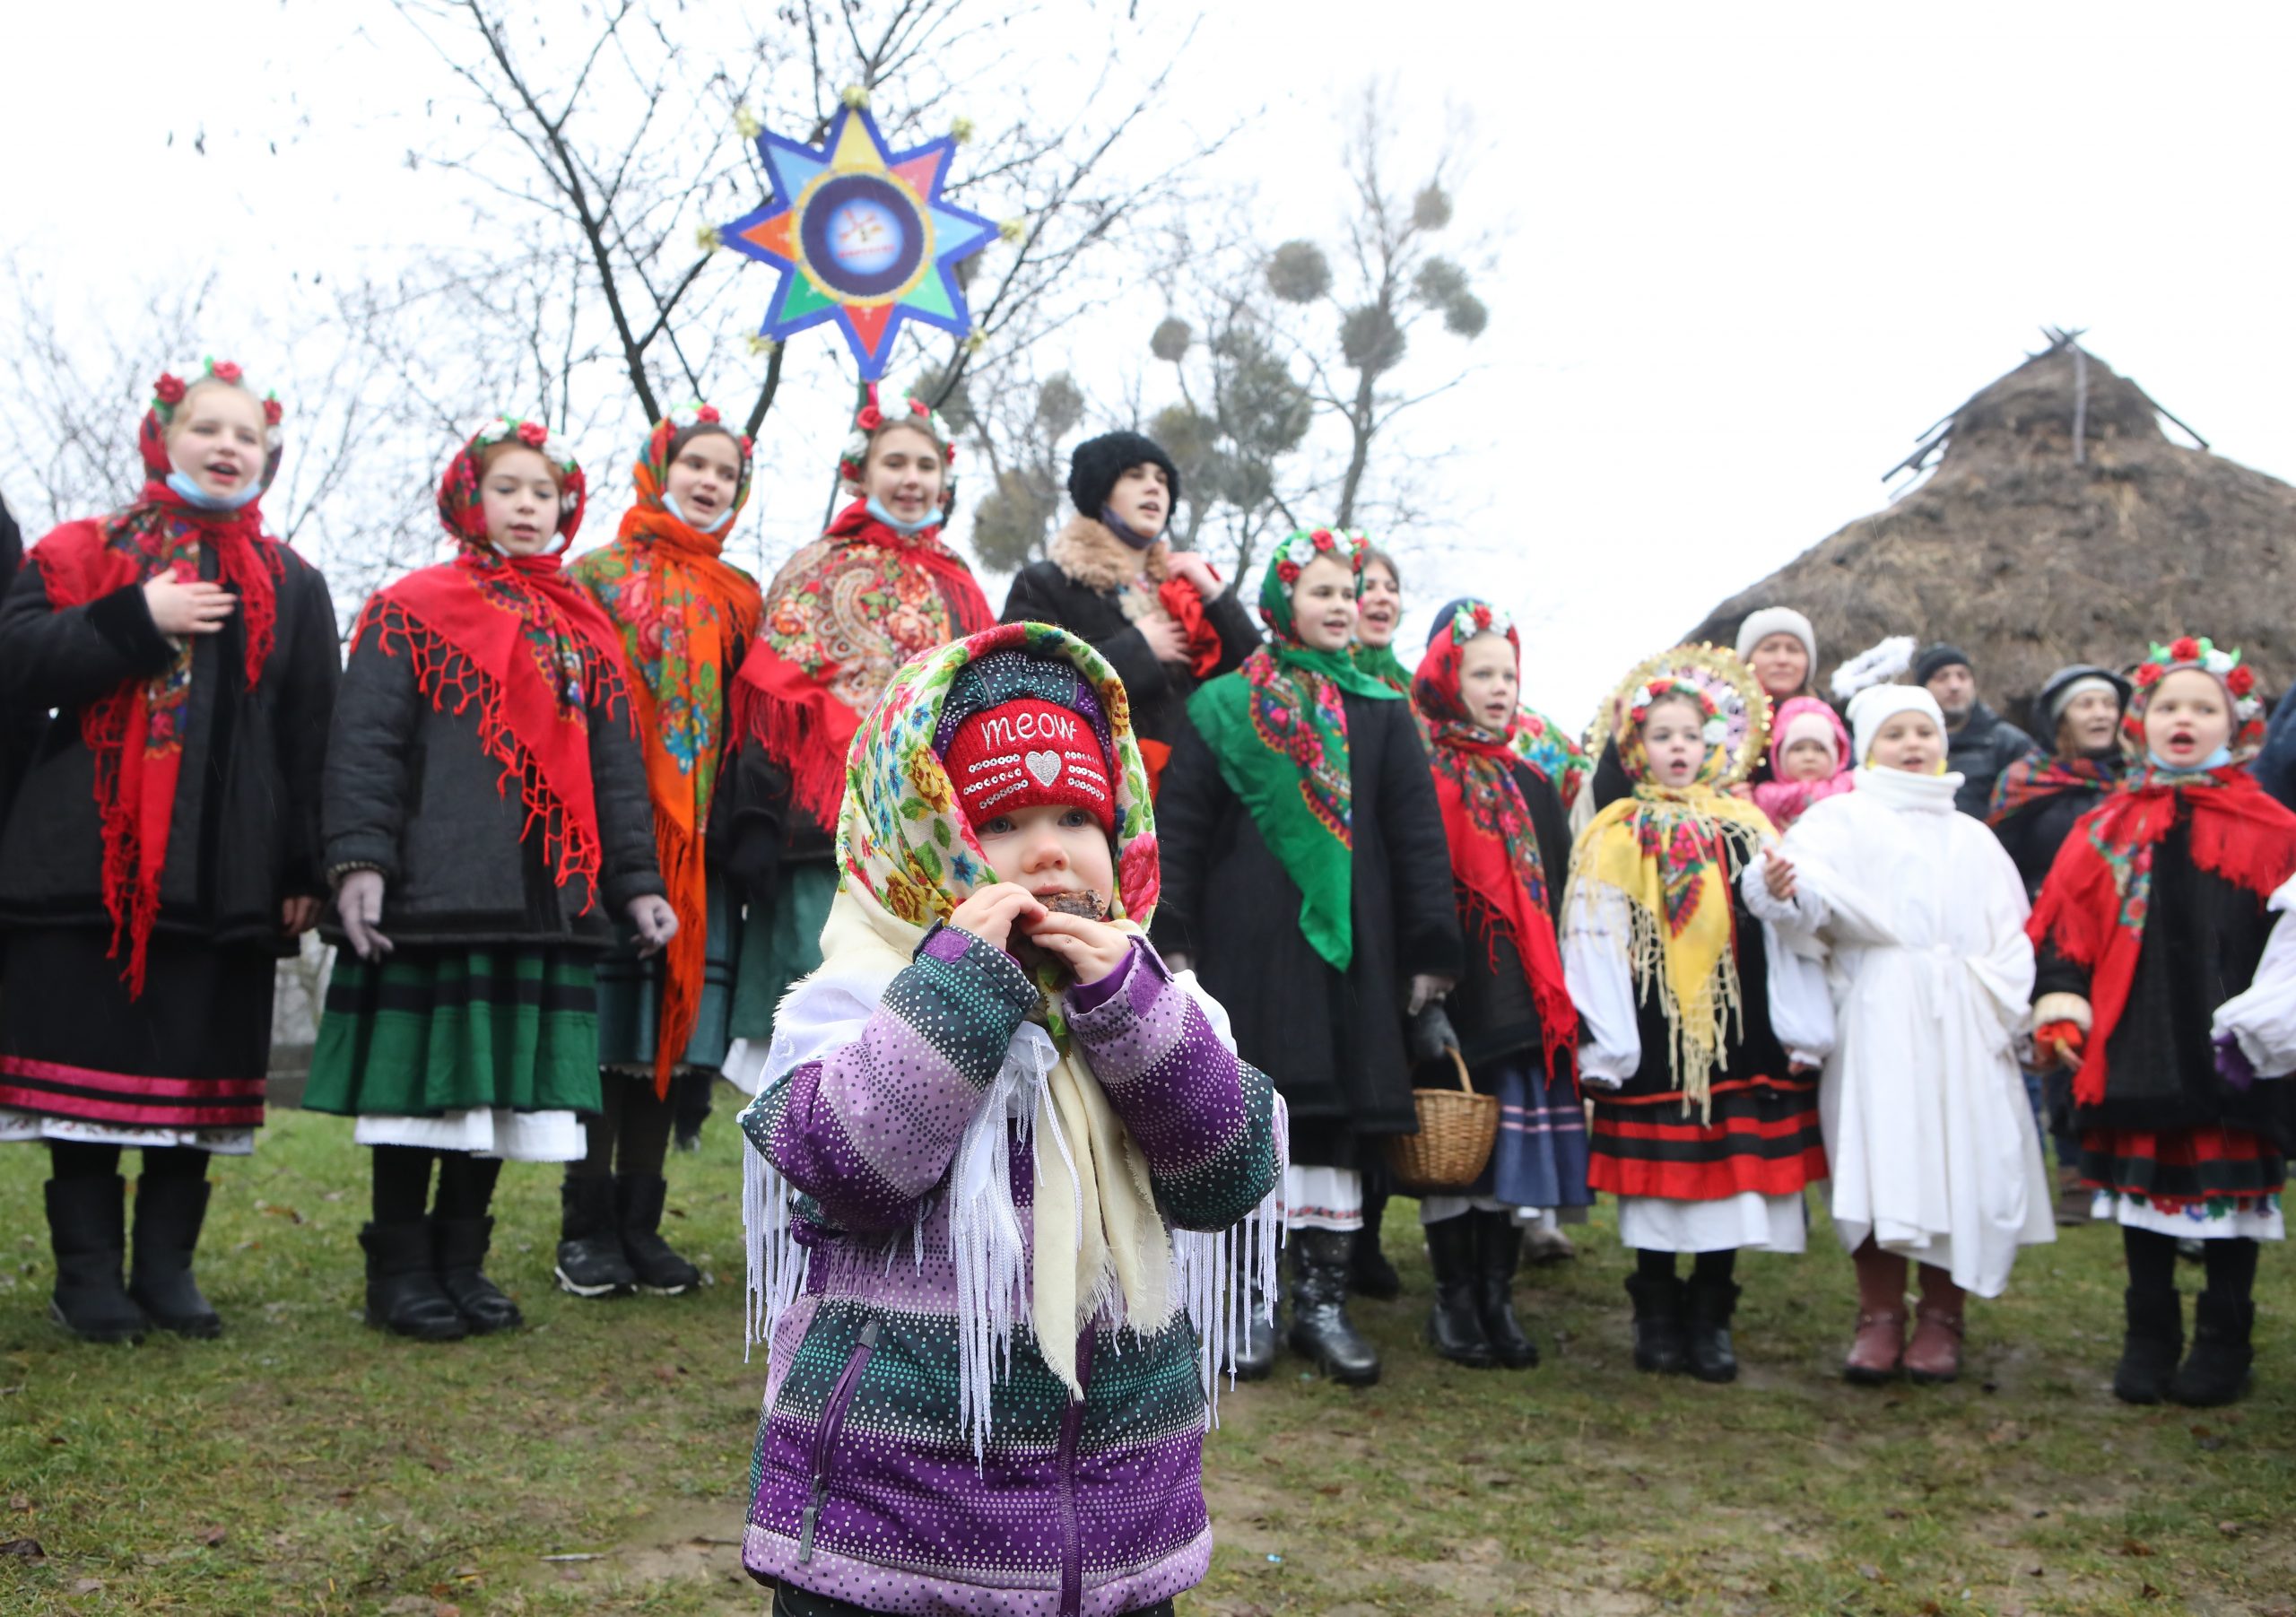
point(1870, 1574)
point(213, 1536)
point(2131, 1547)
point(2229, 1529)
point(289, 1213)
point(23, 1549)
point(88, 1585)
point(2148, 1593)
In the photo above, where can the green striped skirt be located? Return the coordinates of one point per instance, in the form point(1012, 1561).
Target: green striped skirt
point(426, 1032)
point(630, 994)
point(780, 944)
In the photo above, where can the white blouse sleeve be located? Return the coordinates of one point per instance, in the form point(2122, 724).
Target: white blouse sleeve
point(1597, 946)
point(1789, 926)
point(1801, 1004)
point(2263, 1018)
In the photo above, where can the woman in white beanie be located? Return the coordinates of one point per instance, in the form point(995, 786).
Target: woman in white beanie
point(1921, 918)
point(1776, 642)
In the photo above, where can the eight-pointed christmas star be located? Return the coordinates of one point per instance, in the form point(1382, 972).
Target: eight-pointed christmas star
point(861, 236)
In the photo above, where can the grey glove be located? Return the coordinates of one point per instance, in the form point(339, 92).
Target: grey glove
point(1431, 1033)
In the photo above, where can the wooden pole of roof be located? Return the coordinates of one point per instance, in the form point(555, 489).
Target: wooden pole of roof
point(2080, 406)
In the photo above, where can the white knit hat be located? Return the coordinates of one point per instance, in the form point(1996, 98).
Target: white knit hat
point(1768, 621)
point(1876, 705)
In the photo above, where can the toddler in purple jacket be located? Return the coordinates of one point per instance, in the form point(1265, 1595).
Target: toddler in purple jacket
point(1010, 1174)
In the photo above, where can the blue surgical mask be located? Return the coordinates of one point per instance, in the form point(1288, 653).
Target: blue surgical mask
point(1115, 524)
point(670, 504)
point(905, 529)
point(2214, 761)
point(194, 495)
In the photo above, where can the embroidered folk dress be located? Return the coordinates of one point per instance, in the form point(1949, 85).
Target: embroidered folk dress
point(1918, 916)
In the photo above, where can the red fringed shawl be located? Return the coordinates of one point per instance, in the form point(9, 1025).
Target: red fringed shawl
point(2093, 909)
point(530, 648)
point(1496, 869)
point(136, 731)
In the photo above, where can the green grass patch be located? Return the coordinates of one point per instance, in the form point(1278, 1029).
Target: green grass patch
point(307, 1464)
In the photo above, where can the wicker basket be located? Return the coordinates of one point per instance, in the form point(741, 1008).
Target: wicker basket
point(1457, 1130)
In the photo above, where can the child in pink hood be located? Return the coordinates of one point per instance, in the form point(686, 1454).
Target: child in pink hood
point(1809, 758)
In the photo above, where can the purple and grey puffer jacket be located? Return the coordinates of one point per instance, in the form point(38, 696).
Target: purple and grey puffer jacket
point(866, 1486)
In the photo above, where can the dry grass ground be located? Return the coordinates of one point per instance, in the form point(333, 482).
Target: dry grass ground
point(307, 1464)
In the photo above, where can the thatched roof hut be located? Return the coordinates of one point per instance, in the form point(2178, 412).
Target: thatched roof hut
point(2060, 525)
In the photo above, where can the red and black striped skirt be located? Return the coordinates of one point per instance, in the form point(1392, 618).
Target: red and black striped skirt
point(189, 1052)
point(2174, 1169)
point(1762, 1136)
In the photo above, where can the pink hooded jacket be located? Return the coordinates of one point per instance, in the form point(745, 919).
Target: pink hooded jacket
point(1783, 800)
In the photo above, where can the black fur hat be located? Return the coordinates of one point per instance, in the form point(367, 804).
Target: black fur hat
point(1096, 463)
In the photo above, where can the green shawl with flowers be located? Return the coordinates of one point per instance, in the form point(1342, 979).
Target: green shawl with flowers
point(1279, 730)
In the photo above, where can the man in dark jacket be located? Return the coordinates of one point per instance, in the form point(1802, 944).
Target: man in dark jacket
point(1159, 616)
point(1979, 744)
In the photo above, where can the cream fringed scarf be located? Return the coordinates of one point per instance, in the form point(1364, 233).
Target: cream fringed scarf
point(1098, 1247)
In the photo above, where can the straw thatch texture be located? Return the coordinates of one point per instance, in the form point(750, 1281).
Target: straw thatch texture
point(2029, 560)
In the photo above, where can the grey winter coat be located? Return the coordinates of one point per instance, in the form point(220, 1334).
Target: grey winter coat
point(409, 792)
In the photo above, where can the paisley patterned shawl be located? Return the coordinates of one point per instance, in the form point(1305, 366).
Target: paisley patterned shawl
point(839, 619)
point(1278, 727)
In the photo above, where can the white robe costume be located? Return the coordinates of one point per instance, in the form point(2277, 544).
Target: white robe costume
point(1919, 917)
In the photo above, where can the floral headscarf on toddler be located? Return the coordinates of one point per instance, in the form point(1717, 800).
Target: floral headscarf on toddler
point(908, 857)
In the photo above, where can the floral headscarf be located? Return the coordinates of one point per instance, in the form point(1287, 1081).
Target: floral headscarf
point(683, 616)
point(1675, 853)
point(2095, 905)
point(517, 638)
point(1496, 868)
point(1278, 727)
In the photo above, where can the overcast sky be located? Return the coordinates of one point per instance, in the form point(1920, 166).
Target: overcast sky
point(1750, 250)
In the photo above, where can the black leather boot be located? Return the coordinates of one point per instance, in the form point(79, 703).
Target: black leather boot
point(1454, 1324)
point(169, 1214)
point(2153, 1341)
point(1498, 1253)
point(2216, 1370)
point(1710, 1304)
point(457, 1249)
point(1256, 1354)
point(591, 1261)
point(403, 1292)
point(1661, 1345)
point(638, 1198)
point(1369, 1272)
point(1321, 1331)
point(87, 1229)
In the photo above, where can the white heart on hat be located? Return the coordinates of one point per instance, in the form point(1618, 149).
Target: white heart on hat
point(1044, 765)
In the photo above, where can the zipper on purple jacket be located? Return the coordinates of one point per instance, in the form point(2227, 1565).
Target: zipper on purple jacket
point(833, 1422)
point(1072, 1532)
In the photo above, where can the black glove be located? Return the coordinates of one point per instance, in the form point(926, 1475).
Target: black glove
point(1431, 1033)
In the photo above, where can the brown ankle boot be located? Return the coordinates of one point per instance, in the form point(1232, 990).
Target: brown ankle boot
point(1878, 1352)
point(1935, 1354)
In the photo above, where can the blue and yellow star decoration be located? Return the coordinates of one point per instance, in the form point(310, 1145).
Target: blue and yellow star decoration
point(861, 237)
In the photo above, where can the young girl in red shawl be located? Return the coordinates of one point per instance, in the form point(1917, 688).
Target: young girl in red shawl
point(1509, 1016)
point(878, 588)
point(162, 851)
point(685, 618)
point(487, 822)
point(2156, 912)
